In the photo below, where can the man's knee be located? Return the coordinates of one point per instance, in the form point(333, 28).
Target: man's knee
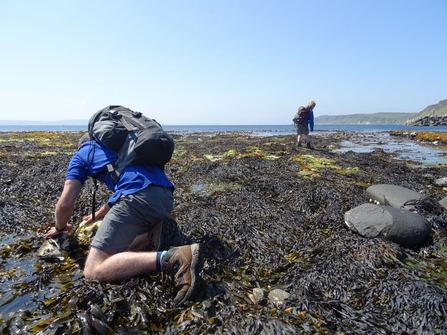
point(94, 273)
point(89, 273)
point(92, 268)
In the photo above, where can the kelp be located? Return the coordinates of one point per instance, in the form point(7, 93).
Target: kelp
point(276, 254)
point(423, 136)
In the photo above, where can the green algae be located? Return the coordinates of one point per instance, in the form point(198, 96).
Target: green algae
point(251, 151)
point(311, 166)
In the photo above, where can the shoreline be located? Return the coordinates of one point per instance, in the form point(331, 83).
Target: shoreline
point(422, 147)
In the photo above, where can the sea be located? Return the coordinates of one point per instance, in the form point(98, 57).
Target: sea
point(261, 130)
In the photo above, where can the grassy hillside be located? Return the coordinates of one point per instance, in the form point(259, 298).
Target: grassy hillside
point(375, 118)
point(383, 118)
point(438, 109)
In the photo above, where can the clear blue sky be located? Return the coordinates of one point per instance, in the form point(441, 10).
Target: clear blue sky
point(220, 61)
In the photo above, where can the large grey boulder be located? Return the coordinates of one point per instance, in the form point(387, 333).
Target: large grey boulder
point(393, 224)
point(392, 195)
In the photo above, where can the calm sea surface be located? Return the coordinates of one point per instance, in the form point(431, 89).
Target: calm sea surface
point(263, 130)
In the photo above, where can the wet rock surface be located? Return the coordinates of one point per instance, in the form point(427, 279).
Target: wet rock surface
point(269, 217)
point(392, 195)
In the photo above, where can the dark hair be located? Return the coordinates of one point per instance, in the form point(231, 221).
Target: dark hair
point(83, 139)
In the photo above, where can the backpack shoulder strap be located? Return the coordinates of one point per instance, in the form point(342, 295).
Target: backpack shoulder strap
point(125, 157)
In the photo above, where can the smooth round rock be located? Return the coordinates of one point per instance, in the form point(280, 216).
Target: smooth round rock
point(393, 224)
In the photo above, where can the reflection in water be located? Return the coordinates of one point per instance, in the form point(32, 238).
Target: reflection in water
point(403, 149)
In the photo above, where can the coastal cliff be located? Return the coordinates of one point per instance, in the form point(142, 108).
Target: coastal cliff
point(433, 115)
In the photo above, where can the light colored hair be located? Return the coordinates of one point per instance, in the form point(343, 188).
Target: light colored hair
point(311, 104)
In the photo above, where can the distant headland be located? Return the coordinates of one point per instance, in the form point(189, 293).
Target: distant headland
point(432, 115)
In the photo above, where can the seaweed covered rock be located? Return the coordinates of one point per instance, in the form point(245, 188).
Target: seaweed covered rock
point(397, 225)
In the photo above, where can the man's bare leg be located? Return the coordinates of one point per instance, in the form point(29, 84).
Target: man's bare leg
point(184, 260)
point(124, 265)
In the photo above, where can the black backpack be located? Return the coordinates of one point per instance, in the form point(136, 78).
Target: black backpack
point(300, 117)
point(135, 138)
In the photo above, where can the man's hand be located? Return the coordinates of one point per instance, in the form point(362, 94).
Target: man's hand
point(86, 220)
point(54, 232)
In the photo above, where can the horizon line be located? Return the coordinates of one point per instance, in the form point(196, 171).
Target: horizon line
point(70, 123)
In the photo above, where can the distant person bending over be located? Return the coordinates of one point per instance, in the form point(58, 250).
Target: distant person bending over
point(303, 121)
point(142, 199)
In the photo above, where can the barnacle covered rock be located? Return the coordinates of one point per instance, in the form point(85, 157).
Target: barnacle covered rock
point(393, 195)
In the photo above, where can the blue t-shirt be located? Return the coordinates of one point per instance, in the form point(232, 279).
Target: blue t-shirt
point(92, 158)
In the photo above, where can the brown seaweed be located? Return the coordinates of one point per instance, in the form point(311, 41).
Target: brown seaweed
point(269, 216)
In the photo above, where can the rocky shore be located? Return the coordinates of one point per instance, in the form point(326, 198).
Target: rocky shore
point(429, 121)
point(277, 255)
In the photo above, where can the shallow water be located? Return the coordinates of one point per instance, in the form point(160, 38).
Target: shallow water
point(401, 148)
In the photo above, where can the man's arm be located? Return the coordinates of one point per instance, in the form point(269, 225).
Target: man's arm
point(65, 207)
point(311, 121)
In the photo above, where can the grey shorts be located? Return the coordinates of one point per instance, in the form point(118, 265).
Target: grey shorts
point(302, 129)
point(133, 215)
